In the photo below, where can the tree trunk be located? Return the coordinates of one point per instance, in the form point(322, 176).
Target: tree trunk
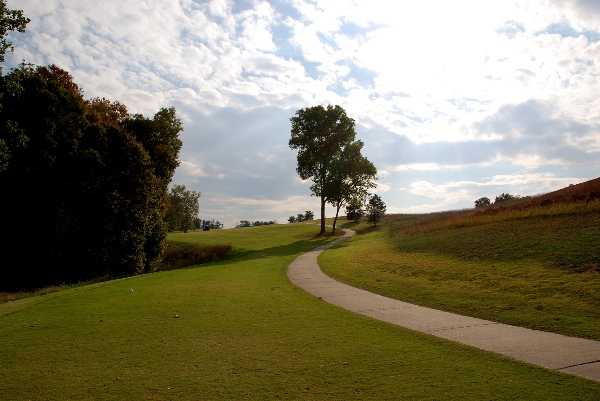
point(336, 216)
point(322, 216)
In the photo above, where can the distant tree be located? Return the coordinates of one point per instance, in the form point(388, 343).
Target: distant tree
point(354, 209)
point(86, 174)
point(352, 175)
point(245, 223)
point(375, 209)
point(309, 215)
point(319, 134)
point(483, 203)
point(292, 219)
point(182, 208)
point(263, 223)
point(503, 197)
point(299, 218)
point(211, 224)
point(10, 20)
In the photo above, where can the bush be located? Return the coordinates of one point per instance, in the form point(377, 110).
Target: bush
point(180, 254)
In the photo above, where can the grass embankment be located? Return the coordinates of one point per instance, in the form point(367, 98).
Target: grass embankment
point(538, 268)
point(243, 332)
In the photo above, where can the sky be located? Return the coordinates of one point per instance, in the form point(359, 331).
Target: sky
point(453, 100)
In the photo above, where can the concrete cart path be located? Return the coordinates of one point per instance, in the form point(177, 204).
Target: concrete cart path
point(571, 355)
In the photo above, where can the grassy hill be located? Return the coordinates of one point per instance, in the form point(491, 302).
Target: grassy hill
point(238, 330)
point(535, 263)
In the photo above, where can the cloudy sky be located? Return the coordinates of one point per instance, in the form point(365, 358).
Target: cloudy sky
point(454, 100)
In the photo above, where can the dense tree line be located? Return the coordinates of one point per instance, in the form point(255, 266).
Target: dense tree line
point(248, 223)
point(85, 181)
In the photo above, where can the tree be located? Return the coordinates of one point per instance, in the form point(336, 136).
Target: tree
point(309, 215)
point(182, 208)
point(319, 134)
point(86, 175)
point(354, 209)
point(10, 20)
point(352, 175)
point(504, 197)
point(292, 219)
point(375, 209)
point(299, 218)
point(482, 203)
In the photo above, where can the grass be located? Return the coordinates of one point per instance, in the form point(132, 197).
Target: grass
point(238, 330)
point(540, 271)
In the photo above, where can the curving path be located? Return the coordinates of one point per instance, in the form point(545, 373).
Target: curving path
point(576, 356)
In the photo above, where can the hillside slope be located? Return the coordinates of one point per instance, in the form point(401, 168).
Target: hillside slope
point(537, 266)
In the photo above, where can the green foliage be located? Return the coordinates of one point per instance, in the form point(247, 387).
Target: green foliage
point(182, 254)
point(182, 208)
point(482, 203)
point(375, 209)
point(319, 134)
point(309, 215)
point(85, 175)
point(504, 197)
point(10, 20)
point(354, 209)
point(292, 219)
point(351, 177)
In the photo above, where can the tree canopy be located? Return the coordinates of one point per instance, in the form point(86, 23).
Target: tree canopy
point(352, 175)
point(319, 134)
point(10, 20)
point(182, 208)
point(375, 209)
point(84, 175)
point(482, 202)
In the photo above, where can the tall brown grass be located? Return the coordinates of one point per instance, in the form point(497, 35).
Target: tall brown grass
point(441, 221)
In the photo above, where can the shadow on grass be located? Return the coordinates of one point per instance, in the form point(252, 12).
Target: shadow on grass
point(280, 250)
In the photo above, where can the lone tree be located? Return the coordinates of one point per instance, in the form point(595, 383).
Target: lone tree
point(354, 209)
point(351, 177)
point(319, 134)
point(482, 203)
point(375, 209)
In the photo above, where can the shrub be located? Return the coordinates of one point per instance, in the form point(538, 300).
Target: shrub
point(179, 254)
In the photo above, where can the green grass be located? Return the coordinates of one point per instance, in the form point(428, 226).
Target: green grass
point(540, 271)
point(243, 333)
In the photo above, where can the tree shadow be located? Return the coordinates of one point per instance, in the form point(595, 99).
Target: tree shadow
point(280, 250)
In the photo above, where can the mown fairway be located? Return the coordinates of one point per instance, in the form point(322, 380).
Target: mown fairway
point(541, 272)
point(243, 332)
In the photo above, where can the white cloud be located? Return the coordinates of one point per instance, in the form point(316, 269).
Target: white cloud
point(429, 71)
